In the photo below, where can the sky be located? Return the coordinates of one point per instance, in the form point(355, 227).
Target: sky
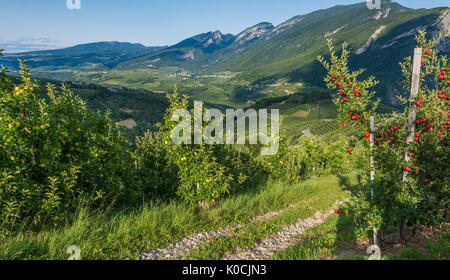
point(48, 24)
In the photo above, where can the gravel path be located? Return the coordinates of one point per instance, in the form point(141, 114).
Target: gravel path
point(280, 241)
point(262, 250)
point(181, 248)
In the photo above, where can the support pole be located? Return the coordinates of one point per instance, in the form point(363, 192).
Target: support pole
point(415, 83)
point(372, 172)
point(412, 109)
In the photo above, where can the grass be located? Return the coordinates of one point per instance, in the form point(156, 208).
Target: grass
point(318, 242)
point(337, 238)
point(125, 234)
point(322, 194)
point(434, 250)
point(252, 233)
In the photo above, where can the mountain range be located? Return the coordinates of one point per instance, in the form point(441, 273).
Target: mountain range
point(379, 40)
point(101, 54)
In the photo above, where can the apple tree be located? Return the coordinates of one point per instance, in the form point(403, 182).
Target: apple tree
point(410, 182)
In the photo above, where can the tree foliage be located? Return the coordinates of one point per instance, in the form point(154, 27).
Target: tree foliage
point(423, 197)
point(55, 153)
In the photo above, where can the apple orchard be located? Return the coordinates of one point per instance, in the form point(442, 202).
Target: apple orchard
point(410, 157)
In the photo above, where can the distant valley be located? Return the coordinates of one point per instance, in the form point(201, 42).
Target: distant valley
point(260, 62)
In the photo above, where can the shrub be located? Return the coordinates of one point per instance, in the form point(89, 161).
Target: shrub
point(205, 173)
point(312, 157)
point(55, 153)
point(156, 171)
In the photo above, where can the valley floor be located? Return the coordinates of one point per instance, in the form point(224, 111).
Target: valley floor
point(278, 221)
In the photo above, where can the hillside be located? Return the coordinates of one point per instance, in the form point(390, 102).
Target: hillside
point(101, 55)
point(265, 53)
point(198, 52)
point(261, 61)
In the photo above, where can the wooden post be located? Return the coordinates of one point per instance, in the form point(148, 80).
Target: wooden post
point(412, 98)
point(372, 143)
point(372, 172)
point(415, 83)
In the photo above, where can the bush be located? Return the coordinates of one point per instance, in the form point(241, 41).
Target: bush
point(205, 174)
point(156, 171)
point(54, 154)
point(312, 157)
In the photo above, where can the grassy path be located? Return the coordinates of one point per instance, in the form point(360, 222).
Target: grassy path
point(263, 233)
point(336, 239)
point(123, 235)
point(280, 241)
point(181, 248)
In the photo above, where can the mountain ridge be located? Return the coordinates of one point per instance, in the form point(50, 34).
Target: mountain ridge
point(80, 55)
point(379, 40)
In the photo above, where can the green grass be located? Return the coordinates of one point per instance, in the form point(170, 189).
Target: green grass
point(318, 242)
point(322, 242)
point(434, 250)
point(441, 248)
point(125, 234)
point(406, 254)
point(319, 195)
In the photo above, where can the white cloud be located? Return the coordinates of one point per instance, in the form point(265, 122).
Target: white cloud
point(27, 44)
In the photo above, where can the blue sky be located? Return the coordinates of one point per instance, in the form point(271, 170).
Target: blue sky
point(44, 24)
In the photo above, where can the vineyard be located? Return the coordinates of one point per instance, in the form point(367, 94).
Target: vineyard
point(310, 128)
